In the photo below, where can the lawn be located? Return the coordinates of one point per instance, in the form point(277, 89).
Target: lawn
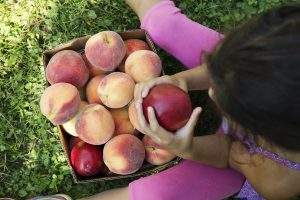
point(31, 158)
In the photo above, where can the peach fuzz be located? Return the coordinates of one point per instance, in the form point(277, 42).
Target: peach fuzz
point(67, 66)
point(124, 154)
point(143, 65)
point(122, 122)
point(155, 154)
point(95, 125)
point(116, 90)
point(70, 125)
point(105, 50)
point(60, 102)
point(93, 71)
point(91, 89)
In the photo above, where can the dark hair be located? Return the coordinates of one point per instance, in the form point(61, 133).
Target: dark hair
point(256, 76)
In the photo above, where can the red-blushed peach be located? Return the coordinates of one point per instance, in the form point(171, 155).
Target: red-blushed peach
point(91, 89)
point(105, 50)
point(92, 70)
point(95, 125)
point(155, 154)
point(70, 125)
point(67, 66)
point(132, 45)
point(73, 141)
point(86, 159)
point(172, 105)
point(116, 90)
point(122, 122)
point(60, 102)
point(143, 65)
point(124, 154)
point(132, 113)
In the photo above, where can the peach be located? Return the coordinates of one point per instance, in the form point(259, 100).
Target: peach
point(91, 89)
point(122, 122)
point(143, 65)
point(67, 66)
point(133, 116)
point(95, 125)
point(155, 154)
point(92, 70)
point(105, 50)
point(124, 154)
point(131, 46)
point(70, 125)
point(116, 90)
point(60, 102)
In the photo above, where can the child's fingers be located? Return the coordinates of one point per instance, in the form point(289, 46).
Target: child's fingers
point(152, 119)
point(137, 93)
point(154, 82)
point(141, 119)
point(163, 136)
point(194, 118)
point(148, 87)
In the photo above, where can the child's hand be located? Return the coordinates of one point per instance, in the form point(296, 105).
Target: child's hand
point(142, 89)
point(179, 142)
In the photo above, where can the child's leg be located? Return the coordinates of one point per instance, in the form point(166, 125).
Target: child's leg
point(188, 180)
point(183, 38)
point(115, 194)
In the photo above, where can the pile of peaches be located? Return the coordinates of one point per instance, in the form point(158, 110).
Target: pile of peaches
point(91, 97)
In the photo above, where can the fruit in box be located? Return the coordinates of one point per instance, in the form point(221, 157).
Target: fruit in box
point(116, 90)
point(124, 154)
point(105, 50)
point(87, 159)
point(155, 154)
point(95, 125)
point(67, 66)
point(60, 102)
point(143, 65)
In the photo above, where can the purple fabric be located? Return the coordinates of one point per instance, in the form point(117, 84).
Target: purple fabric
point(253, 148)
point(187, 181)
point(247, 191)
point(249, 142)
point(181, 37)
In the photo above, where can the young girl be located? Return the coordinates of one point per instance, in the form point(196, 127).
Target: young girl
point(253, 75)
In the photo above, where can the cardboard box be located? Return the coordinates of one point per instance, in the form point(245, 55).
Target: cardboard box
point(78, 45)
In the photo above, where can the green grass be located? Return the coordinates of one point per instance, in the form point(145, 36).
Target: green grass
point(31, 158)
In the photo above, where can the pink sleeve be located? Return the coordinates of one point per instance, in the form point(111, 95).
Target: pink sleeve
point(183, 38)
point(188, 180)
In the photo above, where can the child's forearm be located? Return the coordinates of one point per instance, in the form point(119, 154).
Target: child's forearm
point(210, 149)
point(183, 38)
point(196, 79)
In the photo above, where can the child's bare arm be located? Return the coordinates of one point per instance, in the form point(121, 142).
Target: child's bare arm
point(196, 79)
point(210, 149)
point(193, 79)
